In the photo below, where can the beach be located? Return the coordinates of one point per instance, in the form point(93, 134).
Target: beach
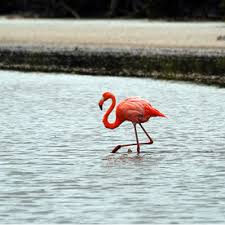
point(193, 51)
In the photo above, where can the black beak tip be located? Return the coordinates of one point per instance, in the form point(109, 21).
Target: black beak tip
point(100, 106)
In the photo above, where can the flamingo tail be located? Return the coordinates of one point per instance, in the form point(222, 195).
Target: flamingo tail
point(154, 112)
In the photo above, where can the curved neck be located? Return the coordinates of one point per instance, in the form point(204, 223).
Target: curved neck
point(105, 120)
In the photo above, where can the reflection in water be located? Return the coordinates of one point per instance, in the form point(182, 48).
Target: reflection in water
point(55, 161)
point(132, 160)
point(124, 157)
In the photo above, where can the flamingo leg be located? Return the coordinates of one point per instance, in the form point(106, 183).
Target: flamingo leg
point(136, 135)
point(150, 139)
point(138, 144)
point(126, 145)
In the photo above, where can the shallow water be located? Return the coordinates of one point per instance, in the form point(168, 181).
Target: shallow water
point(55, 161)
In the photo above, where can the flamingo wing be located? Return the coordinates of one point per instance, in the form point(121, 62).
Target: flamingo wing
point(149, 110)
point(134, 109)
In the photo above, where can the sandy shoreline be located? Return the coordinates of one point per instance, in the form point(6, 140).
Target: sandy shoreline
point(162, 50)
point(113, 33)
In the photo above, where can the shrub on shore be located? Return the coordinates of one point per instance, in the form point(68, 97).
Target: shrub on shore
point(165, 9)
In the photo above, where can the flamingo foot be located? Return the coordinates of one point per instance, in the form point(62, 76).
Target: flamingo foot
point(138, 150)
point(116, 148)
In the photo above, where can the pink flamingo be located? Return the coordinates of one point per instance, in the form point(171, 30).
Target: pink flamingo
point(133, 109)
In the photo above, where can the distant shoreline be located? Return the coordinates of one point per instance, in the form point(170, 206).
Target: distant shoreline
point(206, 66)
point(177, 51)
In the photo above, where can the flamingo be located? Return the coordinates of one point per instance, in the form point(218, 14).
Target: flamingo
point(133, 109)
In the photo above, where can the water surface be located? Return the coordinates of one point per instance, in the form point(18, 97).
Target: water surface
point(54, 148)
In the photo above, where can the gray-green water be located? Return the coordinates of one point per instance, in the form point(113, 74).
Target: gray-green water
point(53, 151)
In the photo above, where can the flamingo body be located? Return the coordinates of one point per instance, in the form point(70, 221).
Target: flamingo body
point(133, 109)
point(136, 110)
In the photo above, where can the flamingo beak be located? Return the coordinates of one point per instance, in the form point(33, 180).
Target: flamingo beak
point(101, 103)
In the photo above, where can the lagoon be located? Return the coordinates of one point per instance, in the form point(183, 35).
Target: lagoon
point(54, 165)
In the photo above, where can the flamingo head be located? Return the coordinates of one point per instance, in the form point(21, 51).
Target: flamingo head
point(105, 97)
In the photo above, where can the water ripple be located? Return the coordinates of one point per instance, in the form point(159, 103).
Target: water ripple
point(56, 165)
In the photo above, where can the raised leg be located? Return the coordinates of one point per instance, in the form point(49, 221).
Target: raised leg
point(138, 149)
point(120, 146)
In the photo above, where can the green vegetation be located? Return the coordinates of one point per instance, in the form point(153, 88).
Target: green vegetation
point(205, 68)
point(166, 9)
